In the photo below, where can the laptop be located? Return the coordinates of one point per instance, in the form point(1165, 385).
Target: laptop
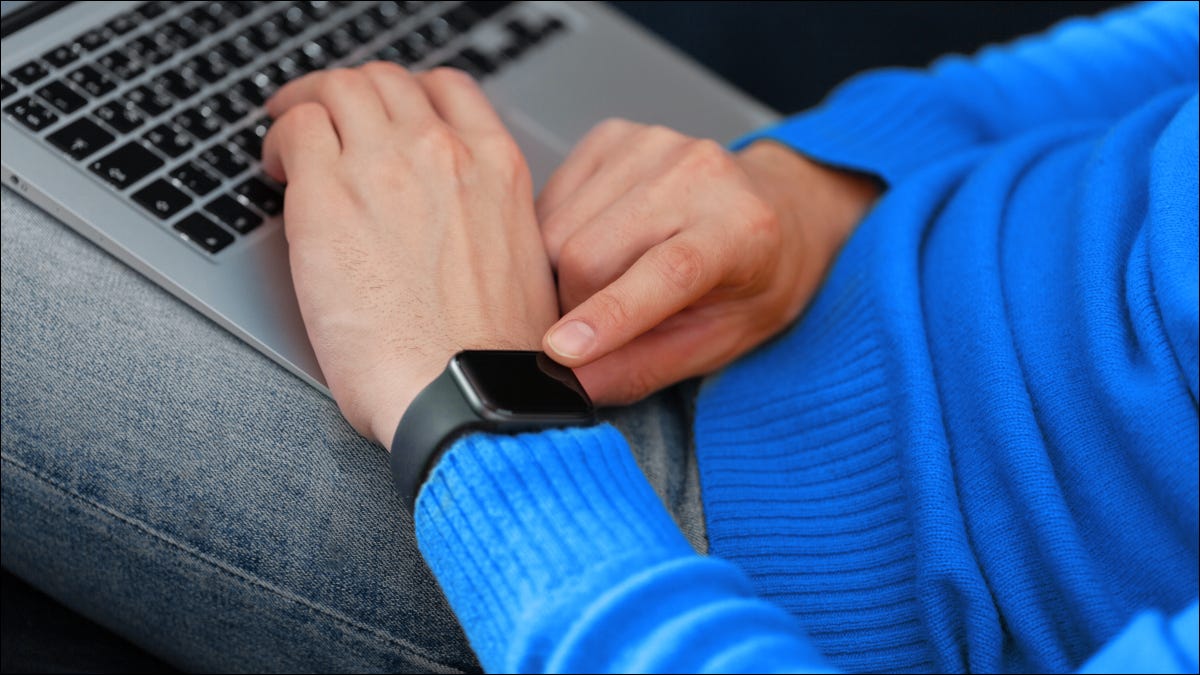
point(140, 124)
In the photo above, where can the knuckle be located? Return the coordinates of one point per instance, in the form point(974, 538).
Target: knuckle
point(706, 156)
point(661, 132)
point(445, 76)
point(638, 383)
point(759, 219)
point(302, 118)
point(680, 265)
point(577, 262)
point(612, 127)
point(381, 68)
point(436, 137)
point(610, 309)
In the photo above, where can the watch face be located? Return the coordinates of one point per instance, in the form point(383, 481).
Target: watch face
point(523, 384)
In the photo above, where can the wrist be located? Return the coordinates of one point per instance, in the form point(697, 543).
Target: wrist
point(818, 208)
point(825, 201)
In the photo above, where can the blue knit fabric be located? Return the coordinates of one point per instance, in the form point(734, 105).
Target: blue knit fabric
point(977, 449)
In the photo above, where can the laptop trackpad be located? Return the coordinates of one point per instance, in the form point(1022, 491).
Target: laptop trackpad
point(542, 150)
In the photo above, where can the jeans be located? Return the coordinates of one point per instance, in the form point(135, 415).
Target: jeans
point(169, 482)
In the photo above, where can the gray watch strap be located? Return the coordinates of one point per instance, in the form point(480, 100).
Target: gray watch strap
point(437, 417)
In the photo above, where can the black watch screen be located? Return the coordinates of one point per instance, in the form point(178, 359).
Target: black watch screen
point(521, 384)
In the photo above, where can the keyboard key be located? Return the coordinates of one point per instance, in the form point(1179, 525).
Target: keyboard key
point(479, 64)
point(313, 56)
point(96, 39)
point(226, 160)
point(148, 50)
point(289, 67)
point(121, 24)
point(7, 88)
point(262, 196)
point(121, 115)
point(239, 51)
point(552, 25)
point(91, 81)
point(317, 10)
point(209, 18)
point(199, 122)
point(31, 113)
point(413, 47)
point(228, 107)
point(181, 33)
point(486, 9)
point(152, 102)
point(204, 233)
point(364, 28)
point(210, 67)
point(437, 32)
point(387, 13)
point(168, 140)
point(231, 212)
point(80, 138)
point(30, 72)
point(59, 95)
point(150, 10)
point(126, 165)
point(250, 139)
point(257, 88)
point(195, 178)
point(462, 18)
point(267, 35)
point(162, 199)
point(174, 82)
point(120, 65)
point(63, 54)
point(338, 43)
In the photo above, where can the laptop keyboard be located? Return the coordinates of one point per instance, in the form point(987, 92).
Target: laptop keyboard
point(163, 103)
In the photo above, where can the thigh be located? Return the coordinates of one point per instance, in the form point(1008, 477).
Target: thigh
point(166, 480)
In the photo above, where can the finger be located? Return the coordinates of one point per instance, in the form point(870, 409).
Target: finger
point(302, 141)
point(354, 106)
point(664, 281)
point(403, 97)
point(657, 359)
point(598, 253)
point(615, 180)
point(460, 102)
point(583, 161)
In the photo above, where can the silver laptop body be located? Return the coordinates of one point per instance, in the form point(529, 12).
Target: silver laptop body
point(138, 124)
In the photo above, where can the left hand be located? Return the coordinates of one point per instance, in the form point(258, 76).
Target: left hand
point(411, 231)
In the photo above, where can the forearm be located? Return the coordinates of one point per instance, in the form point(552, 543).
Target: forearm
point(557, 555)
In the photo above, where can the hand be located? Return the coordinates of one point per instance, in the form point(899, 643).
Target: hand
point(411, 231)
point(674, 257)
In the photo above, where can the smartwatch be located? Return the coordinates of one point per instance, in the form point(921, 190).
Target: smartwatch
point(483, 390)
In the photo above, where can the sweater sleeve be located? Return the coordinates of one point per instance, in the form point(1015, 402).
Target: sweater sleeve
point(892, 122)
point(557, 556)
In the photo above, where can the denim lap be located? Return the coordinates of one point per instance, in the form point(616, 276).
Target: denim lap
point(169, 482)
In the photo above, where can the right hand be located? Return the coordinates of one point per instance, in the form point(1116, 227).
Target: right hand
point(674, 257)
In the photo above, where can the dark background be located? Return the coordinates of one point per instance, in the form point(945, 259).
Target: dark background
point(788, 55)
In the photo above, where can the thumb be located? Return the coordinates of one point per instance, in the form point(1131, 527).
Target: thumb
point(674, 352)
point(665, 280)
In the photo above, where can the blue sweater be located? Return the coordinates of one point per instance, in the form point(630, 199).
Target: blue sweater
point(977, 449)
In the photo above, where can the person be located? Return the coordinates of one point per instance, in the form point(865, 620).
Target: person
point(953, 318)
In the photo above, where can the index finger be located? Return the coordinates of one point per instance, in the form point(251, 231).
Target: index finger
point(665, 280)
point(460, 102)
point(302, 140)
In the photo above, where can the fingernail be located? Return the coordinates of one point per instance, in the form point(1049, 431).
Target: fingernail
point(573, 339)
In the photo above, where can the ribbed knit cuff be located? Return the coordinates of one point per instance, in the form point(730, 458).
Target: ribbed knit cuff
point(886, 123)
point(517, 527)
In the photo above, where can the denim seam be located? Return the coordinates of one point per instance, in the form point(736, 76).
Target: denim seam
point(405, 648)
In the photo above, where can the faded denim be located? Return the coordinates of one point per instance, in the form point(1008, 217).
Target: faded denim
point(167, 481)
